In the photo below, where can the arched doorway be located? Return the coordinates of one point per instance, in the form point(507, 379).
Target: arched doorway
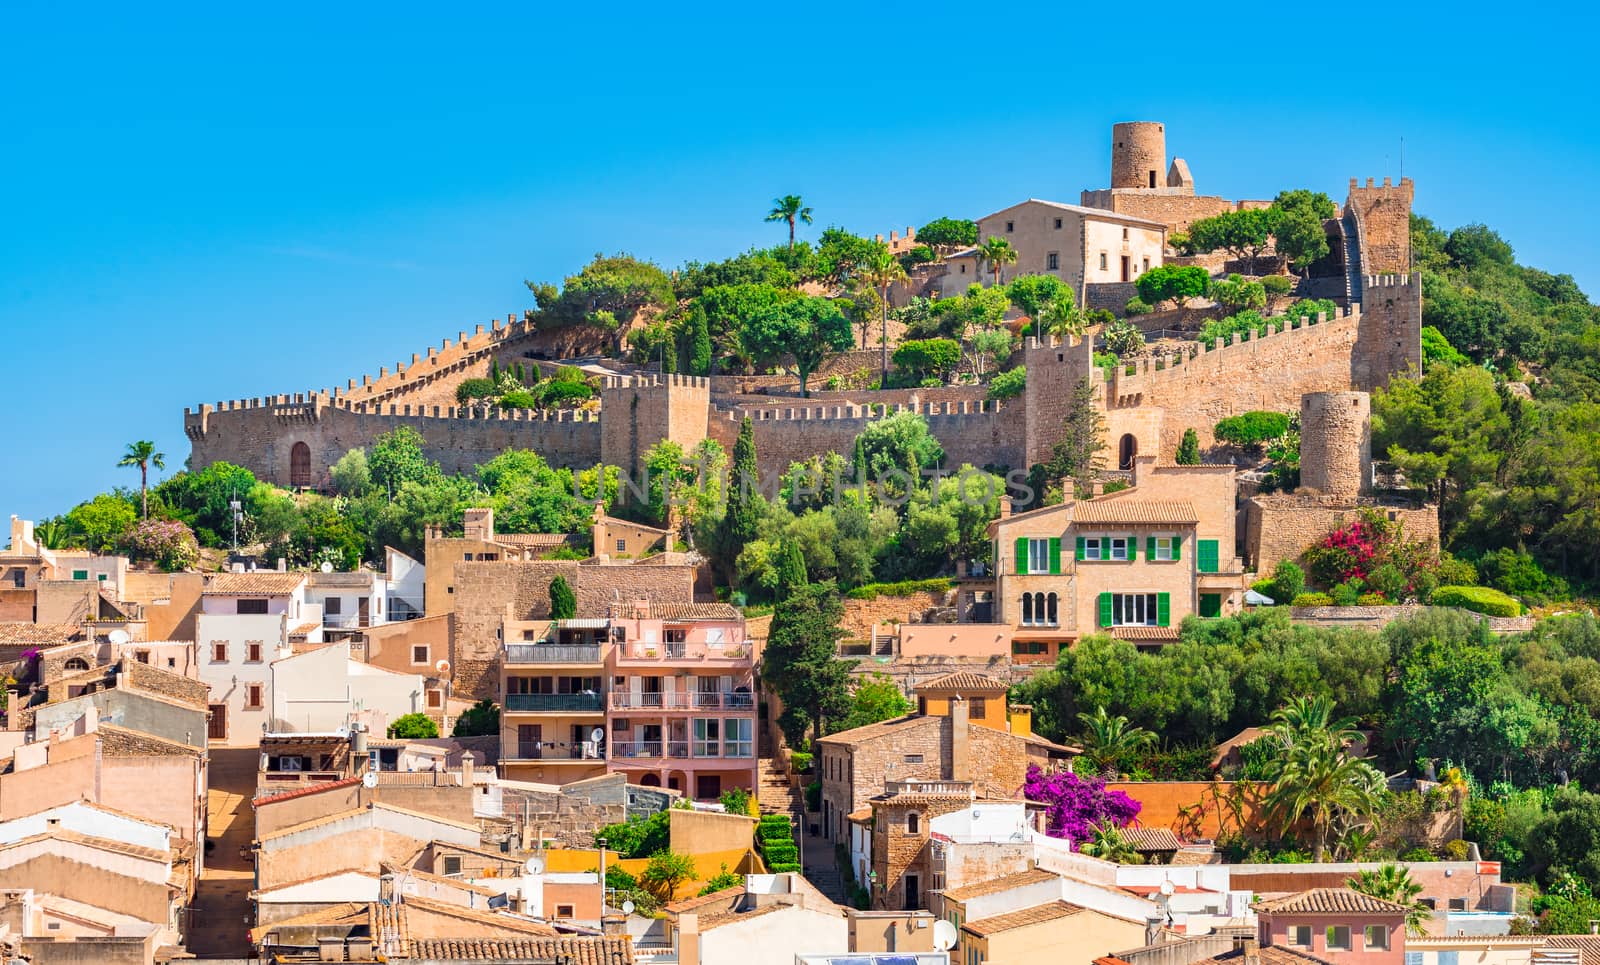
point(1127, 449)
point(300, 464)
point(649, 780)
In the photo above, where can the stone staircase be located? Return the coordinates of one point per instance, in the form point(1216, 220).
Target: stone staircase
point(778, 795)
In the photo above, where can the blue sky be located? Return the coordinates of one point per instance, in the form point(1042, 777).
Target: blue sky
point(217, 201)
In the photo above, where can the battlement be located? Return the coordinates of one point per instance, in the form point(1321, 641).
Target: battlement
point(1404, 185)
point(656, 380)
point(861, 413)
point(1397, 280)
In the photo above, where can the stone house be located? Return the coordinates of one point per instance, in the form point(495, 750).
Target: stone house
point(42, 585)
point(941, 743)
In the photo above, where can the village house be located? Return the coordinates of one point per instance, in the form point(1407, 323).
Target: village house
point(246, 621)
point(962, 731)
point(765, 921)
point(42, 585)
point(323, 689)
point(1337, 925)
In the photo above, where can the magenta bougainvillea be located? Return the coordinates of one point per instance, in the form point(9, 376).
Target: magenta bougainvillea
point(167, 542)
point(1075, 804)
point(1347, 552)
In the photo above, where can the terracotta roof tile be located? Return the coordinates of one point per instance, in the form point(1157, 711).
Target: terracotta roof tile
point(254, 584)
point(1145, 633)
point(1270, 955)
point(1195, 856)
point(1151, 839)
point(1021, 918)
point(892, 727)
point(995, 886)
point(1101, 511)
point(690, 904)
point(479, 917)
point(303, 791)
point(681, 611)
point(577, 949)
point(1330, 901)
point(39, 634)
point(963, 680)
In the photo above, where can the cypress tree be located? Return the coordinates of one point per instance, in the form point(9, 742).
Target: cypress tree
point(494, 371)
point(699, 343)
point(791, 567)
point(563, 602)
point(1189, 449)
point(741, 518)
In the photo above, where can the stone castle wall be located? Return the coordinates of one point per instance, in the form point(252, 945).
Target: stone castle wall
point(1384, 216)
point(1283, 526)
point(1335, 443)
point(981, 433)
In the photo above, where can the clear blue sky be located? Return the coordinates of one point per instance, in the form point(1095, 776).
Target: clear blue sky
point(216, 201)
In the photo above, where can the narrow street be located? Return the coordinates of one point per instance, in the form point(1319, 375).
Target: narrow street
point(220, 919)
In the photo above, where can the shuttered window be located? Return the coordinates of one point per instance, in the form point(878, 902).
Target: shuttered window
point(1206, 555)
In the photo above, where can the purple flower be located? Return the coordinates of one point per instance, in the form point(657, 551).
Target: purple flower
point(1075, 804)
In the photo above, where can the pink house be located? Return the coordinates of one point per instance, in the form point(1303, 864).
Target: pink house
point(1336, 925)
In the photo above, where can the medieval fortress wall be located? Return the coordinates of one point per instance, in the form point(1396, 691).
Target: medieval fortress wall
point(292, 440)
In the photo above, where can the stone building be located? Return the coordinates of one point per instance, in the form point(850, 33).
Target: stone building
point(1143, 186)
point(940, 743)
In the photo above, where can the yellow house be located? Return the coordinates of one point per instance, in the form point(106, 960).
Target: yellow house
point(1055, 931)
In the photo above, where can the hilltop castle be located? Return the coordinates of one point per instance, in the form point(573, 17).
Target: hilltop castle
point(293, 439)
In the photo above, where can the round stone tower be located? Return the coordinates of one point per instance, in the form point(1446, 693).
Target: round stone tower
point(1335, 442)
point(1138, 154)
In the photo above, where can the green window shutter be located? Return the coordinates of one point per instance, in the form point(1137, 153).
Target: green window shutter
point(1177, 546)
point(1022, 554)
point(1080, 549)
point(1208, 556)
point(1105, 609)
point(1149, 547)
point(1211, 604)
point(1055, 555)
point(1133, 547)
point(1163, 609)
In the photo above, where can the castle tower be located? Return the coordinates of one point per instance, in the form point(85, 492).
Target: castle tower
point(1138, 154)
point(1382, 217)
point(1335, 443)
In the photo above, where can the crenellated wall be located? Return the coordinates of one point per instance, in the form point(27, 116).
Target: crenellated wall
point(977, 432)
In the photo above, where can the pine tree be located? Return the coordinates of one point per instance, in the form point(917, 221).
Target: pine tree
point(563, 602)
point(699, 343)
point(1078, 453)
point(1189, 449)
point(494, 371)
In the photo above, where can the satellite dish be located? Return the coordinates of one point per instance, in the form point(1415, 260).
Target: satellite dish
point(944, 935)
point(535, 865)
point(119, 637)
point(369, 780)
point(627, 907)
point(1167, 888)
point(598, 734)
point(327, 567)
point(442, 666)
point(342, 732)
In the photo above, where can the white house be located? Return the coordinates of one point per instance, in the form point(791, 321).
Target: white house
point(246, 621)
point(404, 579)
point(321, 690)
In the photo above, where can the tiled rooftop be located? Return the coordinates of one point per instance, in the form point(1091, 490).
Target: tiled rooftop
point(1330, 901)
point(1021, 918)
point(963, 681)
point(995, 886)
point(254, 584)
point(1100, 511)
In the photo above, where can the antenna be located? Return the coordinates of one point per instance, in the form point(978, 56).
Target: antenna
point(327, 567)
point(534, 865)
point(598, 734)
point(627, 907)
point(944, 935)
point(369, 780)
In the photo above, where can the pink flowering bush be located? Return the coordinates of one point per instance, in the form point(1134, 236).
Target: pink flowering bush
point(1372, 554)
point(1074, 805)
point(166, 542)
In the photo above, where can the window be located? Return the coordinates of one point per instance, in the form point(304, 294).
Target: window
point(80, 574)
point(467, 557)
point(1211, 604)
point(1089, 548)
point(251, 607)
point(75, 663)
point(252, 696)
point(1058, 224)
point(565, 911)
point(1338, 938)
point(1206, 550)
point(1011, 226)
point(913, 892)
point(708, 787)
point(738, 738)
point(219, 652)
point(143, 656)
point(435, 699)
point(622, 546)
point(1124, 234)
point(252, 651)
point(1118, 548)
point(980, 708)
point(707, 737)
point(1134, 609)
point(101, 577)
point(1052, 261)
point(332, 605)
point(1413, 958)
point(914, 758)
point(419, 653)
point(1102, 261)
point(1020, 648)
point(1039, 609)
point(1038, 556)
point(172, 662)
point(913, 823)
point(452, 864)
point(1146, 264)
point(1162, 548)
point(1445, 958)
point(1375, 938)
point(1300, 935)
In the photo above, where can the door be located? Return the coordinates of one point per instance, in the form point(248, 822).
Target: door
point(300, 464)
point(217, 727)
point(1126, 266)
point(363, 611)
point(528, 737)
point(913, 892)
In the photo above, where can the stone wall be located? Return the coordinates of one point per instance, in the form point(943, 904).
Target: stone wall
point(861, 615)
point(1384, 216)
point(979, 433)
point(641, 411)
point(1389, 341)
point(570, 816)
point(1111, 296)
point(1336, 443)
point(1283, 526)
point(1378, 617)
point(1174, 207)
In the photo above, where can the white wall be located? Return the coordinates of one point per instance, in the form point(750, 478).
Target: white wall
point(229, 678)
point(83, 819)
point(318, 690)
point(775, 938)
point(405, 577)
point(984, 822)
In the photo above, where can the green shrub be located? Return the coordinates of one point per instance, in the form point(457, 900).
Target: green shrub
point(1454, 571)
point(473, 389)
point(928, 358)
point(1252, 429)
point(921, 254)
point(788, 867)
point(800, 761)
point(519, 400)
point(1388, 580)
point(1372, 599)
point(1313, 599)
point(1137, 306)
point(1008, 384)
point(1519, 574)
point(735, 800)
point(1417, 854)
point(1278, 285)
point(1456, 850)
point(780, 851)
point(1479, 599)
point(1288, 581)
point(871, 591)
point(1346, 594)
point(556, 393)
point(1124, 339)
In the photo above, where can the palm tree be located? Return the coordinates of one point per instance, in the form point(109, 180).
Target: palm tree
point(997, 253)
point(1391, 882)
point(1059, 317)
point(1107, 740)
point(1314, 778)
point(1108, 844)
point(791, 209)
point(143, 454)
point(881, 270)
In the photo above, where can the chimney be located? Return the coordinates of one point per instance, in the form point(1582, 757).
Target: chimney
point(466, 768)
point(1005, 507)
point(283, 565)
point(1252, 951)
point(689, 938)
point(1097, 488)
point(1067, 489)
point(960, 738)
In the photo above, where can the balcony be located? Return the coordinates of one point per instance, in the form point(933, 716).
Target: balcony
point(679, 700)
point(641, 650)
point(555, 703)
point(590, 751)
point(536, 653)
point(622, 750)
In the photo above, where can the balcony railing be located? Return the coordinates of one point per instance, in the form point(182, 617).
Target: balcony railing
point(588, 751)
point(679, 700)
point(681, 750)
point(572, 703)
point(639, 650)
point(346, 621)
point(552, 653)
